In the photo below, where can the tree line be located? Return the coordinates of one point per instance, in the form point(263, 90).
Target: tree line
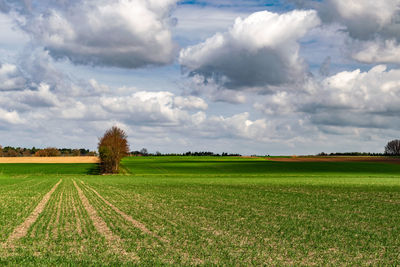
point(392, 148)
point(144, 152)
point(352, 154)
point(113, 146)
point(9, 151)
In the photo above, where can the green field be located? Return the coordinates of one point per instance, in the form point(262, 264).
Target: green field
point(201, 210)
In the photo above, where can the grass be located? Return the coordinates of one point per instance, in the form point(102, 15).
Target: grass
point(43, 169)
point(208, 210)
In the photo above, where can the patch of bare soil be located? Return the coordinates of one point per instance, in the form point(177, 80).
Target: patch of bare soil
point(114, 241)
point(134, 222)
point(22, 229)
point(49, 160)
point(338, 159)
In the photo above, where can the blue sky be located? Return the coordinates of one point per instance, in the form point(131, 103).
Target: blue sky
point(251, 77)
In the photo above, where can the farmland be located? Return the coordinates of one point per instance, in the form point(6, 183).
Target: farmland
point(201, 210)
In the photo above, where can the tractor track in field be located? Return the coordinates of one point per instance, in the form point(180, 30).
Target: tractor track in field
point(56, 222)
point(128, 218)
point(23, 228)
point(52, 205)
point(76, 213)
point(114, 241)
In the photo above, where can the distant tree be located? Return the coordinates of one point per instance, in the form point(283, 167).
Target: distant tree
point(393, 147)
point(26, 153)
point(144, 152)
point(76, 152)
point(34, 150)
point(1, 151)
point(12, 153)
point(48, 152)
point(91, 153)
point(113, 146)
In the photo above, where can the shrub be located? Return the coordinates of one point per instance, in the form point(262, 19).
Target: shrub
point(113, 146)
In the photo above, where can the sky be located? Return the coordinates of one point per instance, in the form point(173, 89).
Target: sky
point(281, 77)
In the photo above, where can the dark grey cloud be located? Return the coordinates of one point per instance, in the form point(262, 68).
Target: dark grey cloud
point(261, 50)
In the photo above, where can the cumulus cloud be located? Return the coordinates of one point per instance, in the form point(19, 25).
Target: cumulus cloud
point(123, 33)
point(42, 97)
point(351, 98)
point(260, 50)
point(11, 117)
point(365, 19)
point(375, 22)
point(199, 85)
point(239, 125)
point(373, 26)
point(10, 77)
point(190, 102)
point(162, 108)
point(379, 51)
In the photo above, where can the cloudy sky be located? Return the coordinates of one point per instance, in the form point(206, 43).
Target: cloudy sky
point(277, 77)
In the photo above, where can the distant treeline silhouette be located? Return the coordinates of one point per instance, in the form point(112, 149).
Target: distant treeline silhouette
point(10, 151)
point(143, 152)
point(352, 154)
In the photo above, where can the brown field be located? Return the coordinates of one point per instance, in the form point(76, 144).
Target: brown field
point(338, 159)
point(49, 159)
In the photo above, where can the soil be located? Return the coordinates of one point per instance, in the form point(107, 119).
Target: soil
point(49, 159)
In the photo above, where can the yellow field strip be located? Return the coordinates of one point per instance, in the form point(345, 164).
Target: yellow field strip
point(49, 160)
point(114, 241)
point(23, 228)
point(134, 222)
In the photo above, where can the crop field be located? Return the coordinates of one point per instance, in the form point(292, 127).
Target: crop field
point(201, 211)
point(80, 159)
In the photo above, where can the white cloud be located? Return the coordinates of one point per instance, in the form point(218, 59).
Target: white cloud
point(379, 51)
point(10, 77)
point(376, 91)
point(199, 85)
point(122, 33)
point(365, 18)
point(374, 22)
point(257, 51)
point(349, 98)
point(40, 97)
point(373, 26)
point(240, 125)
point(11, 117)
point(190, 102)
point(162, 108)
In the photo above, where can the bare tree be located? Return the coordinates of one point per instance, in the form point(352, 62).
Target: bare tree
point(113, 146)
point(393, 147)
